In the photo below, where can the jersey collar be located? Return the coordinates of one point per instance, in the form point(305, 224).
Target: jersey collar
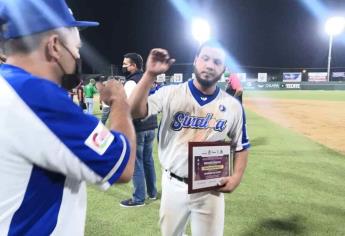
point(201, 98)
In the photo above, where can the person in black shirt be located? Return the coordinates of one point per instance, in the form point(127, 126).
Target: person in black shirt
point(144, 171)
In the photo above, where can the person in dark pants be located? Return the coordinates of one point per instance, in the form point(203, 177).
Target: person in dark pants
point(144, 177)
point(80, 96)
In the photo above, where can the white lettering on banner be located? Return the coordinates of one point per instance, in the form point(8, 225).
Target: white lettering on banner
point(271, 85)
point(293, 86)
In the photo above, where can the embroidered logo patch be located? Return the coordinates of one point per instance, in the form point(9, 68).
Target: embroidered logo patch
point(100, 139)
point(222, 108)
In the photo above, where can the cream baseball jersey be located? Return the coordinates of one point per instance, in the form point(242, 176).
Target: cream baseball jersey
point(189, 115)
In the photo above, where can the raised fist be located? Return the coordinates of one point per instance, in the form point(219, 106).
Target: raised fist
point(158, 61)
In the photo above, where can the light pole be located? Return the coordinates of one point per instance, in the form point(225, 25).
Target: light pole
point(334, 26)
point(201, 30)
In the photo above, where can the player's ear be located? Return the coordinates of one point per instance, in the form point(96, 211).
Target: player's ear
point(53, 47)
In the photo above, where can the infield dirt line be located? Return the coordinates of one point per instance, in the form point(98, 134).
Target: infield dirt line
point(321, 121)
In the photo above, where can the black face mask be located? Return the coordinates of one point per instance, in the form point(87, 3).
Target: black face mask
point(125, 71)
point(70, 81)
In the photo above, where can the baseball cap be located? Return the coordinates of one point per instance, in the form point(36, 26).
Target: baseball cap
point(25, 17)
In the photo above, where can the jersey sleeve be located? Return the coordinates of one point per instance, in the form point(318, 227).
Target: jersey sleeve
point(80, 146)
point(238, 132)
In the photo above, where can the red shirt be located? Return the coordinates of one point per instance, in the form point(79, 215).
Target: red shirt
point(234, 82)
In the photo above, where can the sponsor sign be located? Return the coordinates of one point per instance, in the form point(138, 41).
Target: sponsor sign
point(262, 77)
point(178, 78)
point(317, 76)
point(291, 86)
point(249, 85)
point(161, 78)
point(292, 77)
point(242, 76)
point(338, 76)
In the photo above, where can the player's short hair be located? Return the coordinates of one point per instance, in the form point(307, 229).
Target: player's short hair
point(135, 59)
point(211, 44)
point(29, 43)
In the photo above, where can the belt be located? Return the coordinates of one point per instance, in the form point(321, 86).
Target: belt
point(184, 180)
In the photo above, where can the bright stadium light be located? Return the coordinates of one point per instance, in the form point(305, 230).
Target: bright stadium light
point(201, 30)
point(334, 26)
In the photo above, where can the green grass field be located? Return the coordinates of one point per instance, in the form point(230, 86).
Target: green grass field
point(292, 186)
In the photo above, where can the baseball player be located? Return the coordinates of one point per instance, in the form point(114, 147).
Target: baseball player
point(196, 110)
point(48, 147)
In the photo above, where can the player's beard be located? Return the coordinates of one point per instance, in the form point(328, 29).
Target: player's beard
point(205, 82)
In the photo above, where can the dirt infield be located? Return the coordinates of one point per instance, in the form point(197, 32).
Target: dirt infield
point(322, 121)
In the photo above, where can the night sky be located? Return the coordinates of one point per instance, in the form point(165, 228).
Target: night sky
point(262, 33)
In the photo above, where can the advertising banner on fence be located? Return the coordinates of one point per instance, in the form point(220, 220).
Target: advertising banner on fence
point(262, 77)
point(290, 86)
point(242, 76)
point(338, 76)
point(161, 78)
point(269, 86)
point(317, 76)
point(178, 78)
point(292, 77)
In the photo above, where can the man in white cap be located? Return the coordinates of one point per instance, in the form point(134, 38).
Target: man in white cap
point(48, 147)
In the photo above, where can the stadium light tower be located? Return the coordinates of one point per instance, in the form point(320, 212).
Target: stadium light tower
point(334, 26)
point(201, 30)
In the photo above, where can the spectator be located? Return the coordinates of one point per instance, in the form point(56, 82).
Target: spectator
point(89, 91)
point(234, 87)
point(80, 96)
point(144, 176)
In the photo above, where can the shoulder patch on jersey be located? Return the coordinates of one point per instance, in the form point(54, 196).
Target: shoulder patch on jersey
point(222, 108)
point(100, 139)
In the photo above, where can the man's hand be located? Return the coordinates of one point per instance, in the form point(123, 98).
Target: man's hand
point(229, 184)
point(112, 92)
point(158, 62)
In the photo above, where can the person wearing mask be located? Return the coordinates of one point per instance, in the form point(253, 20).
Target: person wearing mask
point(144, 177)
point(49, 148)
